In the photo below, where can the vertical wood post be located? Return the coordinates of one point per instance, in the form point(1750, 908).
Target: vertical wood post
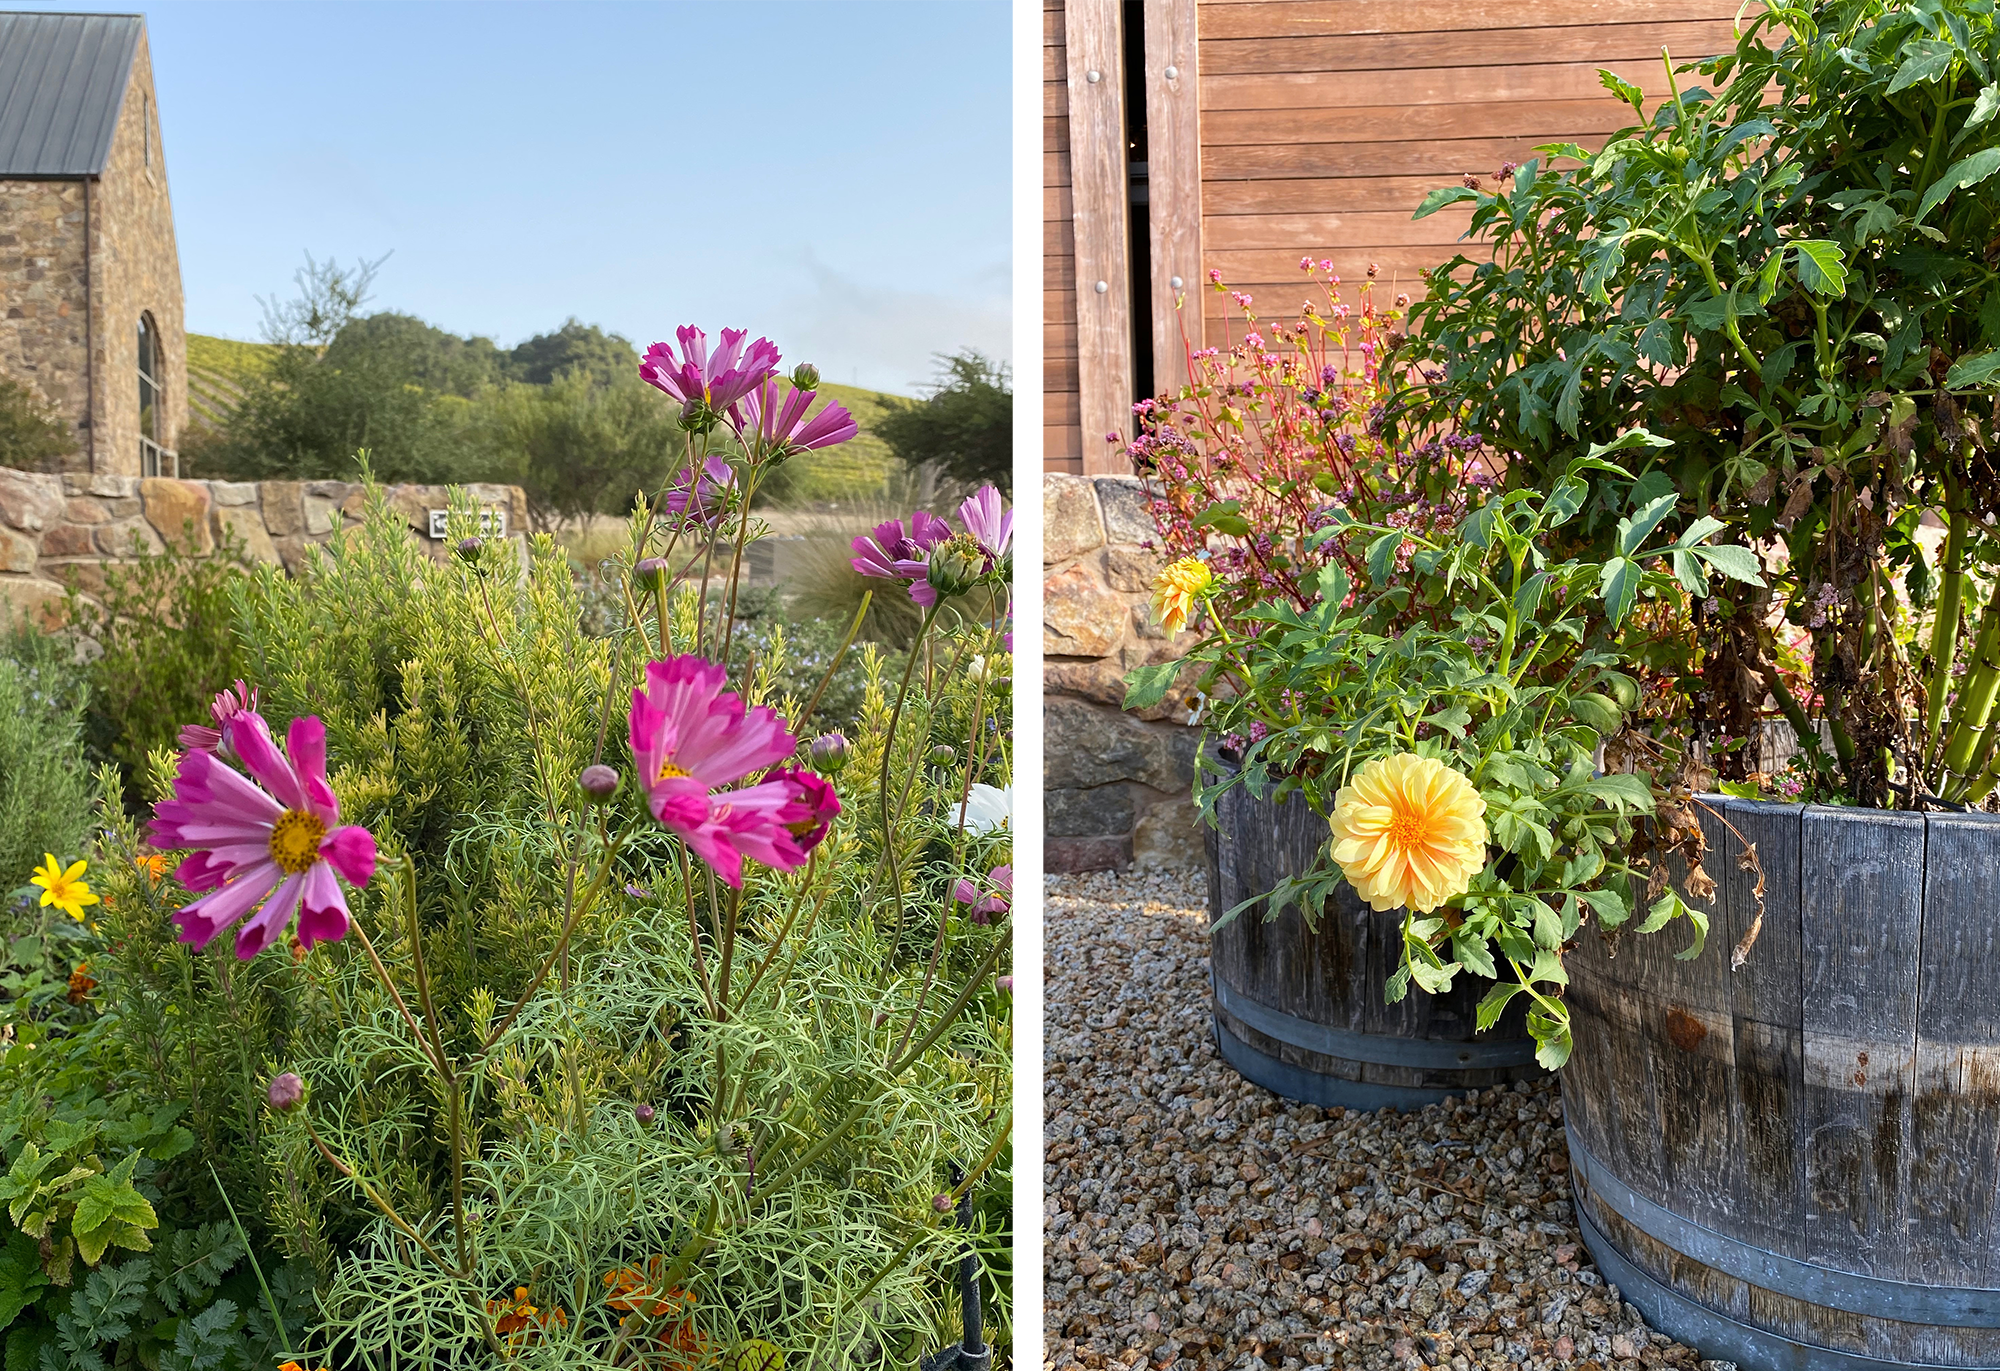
point(1094, 47)
point(1173, 179)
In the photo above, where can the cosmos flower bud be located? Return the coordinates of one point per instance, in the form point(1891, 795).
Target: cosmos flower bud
point(470, 548)
point(1004, 984)
point(696, 416)
point(941, 1203)
point(829, 753)
point(285, 1092)
point(955, 565)
point(944, 754)
point(650, 573)
point(643, 1113)
point(599, 782)
point(805, 376)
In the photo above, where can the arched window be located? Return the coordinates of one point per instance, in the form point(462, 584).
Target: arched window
point(154, 458)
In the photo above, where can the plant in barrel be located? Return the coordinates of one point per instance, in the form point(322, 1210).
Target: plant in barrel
point(1445, 710)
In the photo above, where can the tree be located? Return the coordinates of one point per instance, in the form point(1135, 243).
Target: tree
point(965, 428)
point(31, 438)
point(578, 448)
point(606, 357)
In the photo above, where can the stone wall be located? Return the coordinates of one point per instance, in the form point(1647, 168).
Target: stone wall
point(44, 301)
point(59, 531)
point(1117, 785)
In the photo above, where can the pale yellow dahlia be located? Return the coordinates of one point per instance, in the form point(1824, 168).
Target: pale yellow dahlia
point(1409, 831)
point(1176, 589)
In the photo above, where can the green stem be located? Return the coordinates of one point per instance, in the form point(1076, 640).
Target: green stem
point(1974, 710)
point(888, 755)
point(1944, 632)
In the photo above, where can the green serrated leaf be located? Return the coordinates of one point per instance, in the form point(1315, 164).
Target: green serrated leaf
point(1146, 686)
point(1973, 369)
point(1822, 266)
point(1619, 579)
point(1494, 1004)
point(1965, 172)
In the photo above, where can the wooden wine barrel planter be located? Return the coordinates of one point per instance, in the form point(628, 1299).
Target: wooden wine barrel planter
point(1301, 1013)
point(1798, 1164)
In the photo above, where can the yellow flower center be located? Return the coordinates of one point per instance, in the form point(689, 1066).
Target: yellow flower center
point(1407, 830)
point(668, 771)
point(295, 840)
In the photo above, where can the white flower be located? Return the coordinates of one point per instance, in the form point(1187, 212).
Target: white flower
point(986, 808)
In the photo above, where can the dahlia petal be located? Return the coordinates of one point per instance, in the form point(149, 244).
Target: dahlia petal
point(323, 909)
point(350, 850)
point(268, 924)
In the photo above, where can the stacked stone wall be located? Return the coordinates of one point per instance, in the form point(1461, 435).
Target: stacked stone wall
point(1117, 788)
point(59, 531)
point(44, 302)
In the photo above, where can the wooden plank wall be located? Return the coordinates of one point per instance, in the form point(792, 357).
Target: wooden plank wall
point(1062, 436)
point(1324, 122)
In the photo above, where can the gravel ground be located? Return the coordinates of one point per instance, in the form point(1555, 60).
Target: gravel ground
point(1195, 1219)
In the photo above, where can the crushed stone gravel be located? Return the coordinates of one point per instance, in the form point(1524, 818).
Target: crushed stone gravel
point(1193, 1219)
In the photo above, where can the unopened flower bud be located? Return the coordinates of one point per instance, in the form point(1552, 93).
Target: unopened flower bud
point(829, 753)
point(941, 1203)
point(944, 754)
point(1004, 984)
point(643, 1113)
point(805, 376)
point(650, 573)
point(285, 1092)
point(955, 565)
point(599, 782)
point(697, 417)
point(470, 548)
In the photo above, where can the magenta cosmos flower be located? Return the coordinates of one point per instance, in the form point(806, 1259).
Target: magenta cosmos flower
point(701, 497)
point(984, 907)
point(690, 738)
point(276, 834)
point(900, 553)
point(777, 420)
point(718, 381)
point(238, 699)
point(987, 518)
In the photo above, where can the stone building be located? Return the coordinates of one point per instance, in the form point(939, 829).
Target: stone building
point(90, 279)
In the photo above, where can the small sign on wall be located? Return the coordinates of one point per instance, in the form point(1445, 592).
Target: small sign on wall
point(492, 522)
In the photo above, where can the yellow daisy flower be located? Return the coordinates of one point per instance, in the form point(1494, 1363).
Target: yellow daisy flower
point(1176, 590)
point(66, 890)
point(1408, 831)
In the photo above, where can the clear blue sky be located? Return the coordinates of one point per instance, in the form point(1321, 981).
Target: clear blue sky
point(832, 174)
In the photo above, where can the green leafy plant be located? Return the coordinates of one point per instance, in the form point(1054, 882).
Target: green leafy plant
point(1472, 646)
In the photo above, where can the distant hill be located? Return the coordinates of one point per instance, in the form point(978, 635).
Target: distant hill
point(219, 368)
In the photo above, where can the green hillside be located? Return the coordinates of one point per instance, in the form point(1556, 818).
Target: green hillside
point(218, 369)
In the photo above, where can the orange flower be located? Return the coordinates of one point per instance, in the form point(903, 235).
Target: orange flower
point(1408, 831)
point(518, 1320)
point(155, 865)
point(1176, 591)
point(640, 1294)
point(81, 983)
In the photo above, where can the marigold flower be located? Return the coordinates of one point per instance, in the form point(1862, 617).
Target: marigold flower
point(65, 889)
point(690, 738)
point(1176, 590)
point(278, 835)
point(718, 381)
point(1408, 831)
point(81, 983)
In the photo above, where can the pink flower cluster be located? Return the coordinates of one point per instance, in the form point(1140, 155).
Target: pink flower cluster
point(691, 739)
point(900, 552)
point(740, 382)
point(265, 846)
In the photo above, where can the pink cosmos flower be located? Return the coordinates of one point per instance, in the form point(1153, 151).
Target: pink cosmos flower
point(275, 834)
point(718, 381)
point(701, 496)
point(779, 420)
point(900, 554)
point(984, 907)
point(236, 700)
point(690, 738)
point(987, 518)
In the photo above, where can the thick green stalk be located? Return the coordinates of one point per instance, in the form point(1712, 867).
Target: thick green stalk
point(1974, 709)
point(1944, 632)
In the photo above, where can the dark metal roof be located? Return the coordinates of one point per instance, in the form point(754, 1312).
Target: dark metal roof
point(62, 80)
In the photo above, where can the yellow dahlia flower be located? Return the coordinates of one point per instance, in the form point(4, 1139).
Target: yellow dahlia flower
point(1176, 589)
point(1409, 831)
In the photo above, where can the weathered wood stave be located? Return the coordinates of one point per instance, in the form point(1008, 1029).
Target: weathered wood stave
point(1301, 1012)
point(1795, 1164)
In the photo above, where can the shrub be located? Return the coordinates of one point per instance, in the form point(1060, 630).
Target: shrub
point(31, 437)
point(44, 780)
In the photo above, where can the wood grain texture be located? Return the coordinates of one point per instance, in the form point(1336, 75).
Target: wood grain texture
point(1861, 906)
point(1765, 1007)
point(1061, 440)
point(1955, 1129)
point(1517, 119)
point(1334, 195)
point(1094, 42)
point(1273, 90)
point(1311, 18)
point(1310, 233)
point(1609, 45)
point(1173, 186)
point(1415, 157)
